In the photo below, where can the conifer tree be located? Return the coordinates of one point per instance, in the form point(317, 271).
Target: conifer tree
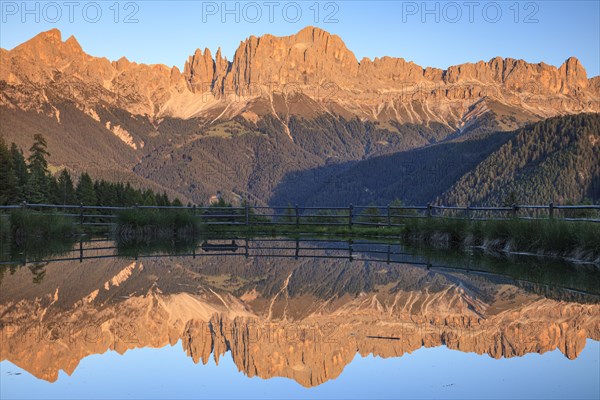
point(9, 187)
point(66, 191)
point(86, 194)
point(20, 168)
point(37, 189)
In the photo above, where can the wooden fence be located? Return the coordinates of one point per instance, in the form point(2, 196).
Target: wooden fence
point(323, 216)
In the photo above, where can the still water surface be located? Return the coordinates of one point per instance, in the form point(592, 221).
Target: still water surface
point(273, 318)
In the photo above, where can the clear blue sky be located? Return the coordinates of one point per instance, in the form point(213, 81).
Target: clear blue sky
point(455, 32)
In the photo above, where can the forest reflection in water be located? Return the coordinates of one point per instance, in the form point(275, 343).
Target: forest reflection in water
point(294, 308)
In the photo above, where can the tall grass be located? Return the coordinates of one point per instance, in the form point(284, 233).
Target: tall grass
point(148, 225)
point(27, 225)
point(551, 237)
point(547, 236)
point(33, 235)
point(4, 227)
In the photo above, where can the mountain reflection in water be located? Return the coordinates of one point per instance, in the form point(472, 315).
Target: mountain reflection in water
point(299, 309)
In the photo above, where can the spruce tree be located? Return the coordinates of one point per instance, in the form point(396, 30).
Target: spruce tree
point(66, 191)
point(86, 194)
point(37, 189)
point(149, 198)
point(38, 153)
point(53, 191)
point(9, 186)
point(20, 169)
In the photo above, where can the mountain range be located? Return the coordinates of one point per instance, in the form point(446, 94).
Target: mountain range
point(281, 121)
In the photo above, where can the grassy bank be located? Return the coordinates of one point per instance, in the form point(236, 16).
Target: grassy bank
point(550, 237)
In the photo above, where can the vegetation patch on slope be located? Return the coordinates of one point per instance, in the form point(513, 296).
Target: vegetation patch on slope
point(555, 160)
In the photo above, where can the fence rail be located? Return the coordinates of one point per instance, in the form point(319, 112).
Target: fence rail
point(351, 215)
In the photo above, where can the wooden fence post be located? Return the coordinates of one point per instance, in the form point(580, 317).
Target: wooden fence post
point(389, 217)
point(389, 253)
point(350, 249)
point(247, 214)
point(350, 212)
point(81, 214)
point(515, 209)
point(551, 210)
point(429, 210)
point(297, 216)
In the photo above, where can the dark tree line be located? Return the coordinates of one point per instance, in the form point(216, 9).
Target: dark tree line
point(29, 179)
point(555, 160)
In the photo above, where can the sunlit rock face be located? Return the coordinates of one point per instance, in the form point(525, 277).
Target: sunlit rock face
point(301, 319)
point(309, 73)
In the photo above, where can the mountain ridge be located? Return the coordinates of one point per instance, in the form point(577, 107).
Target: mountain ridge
point(310, 57)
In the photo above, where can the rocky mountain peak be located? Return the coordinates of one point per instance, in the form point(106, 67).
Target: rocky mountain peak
point(72, 44)
point(574, 75)
point(49, 43)
point(52, 35)
point(314, 61)
point(310, 56)
point(38, 59)
point(199, 70)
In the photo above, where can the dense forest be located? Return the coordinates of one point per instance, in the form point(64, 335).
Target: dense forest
point(29, 179)
point(555, 160)
point(416, 176)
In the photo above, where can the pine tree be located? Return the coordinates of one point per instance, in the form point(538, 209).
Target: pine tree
point(20, 168)
point(38, 153)
point(53, 191)
point(66, 191)
point(9, 186)
point(37, 189)
point(149, 199)
point(163, 200)
point(86, 194)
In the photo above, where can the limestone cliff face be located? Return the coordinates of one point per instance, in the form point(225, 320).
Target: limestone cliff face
point(312, 62)
point(311, 56)
point(287, 329)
